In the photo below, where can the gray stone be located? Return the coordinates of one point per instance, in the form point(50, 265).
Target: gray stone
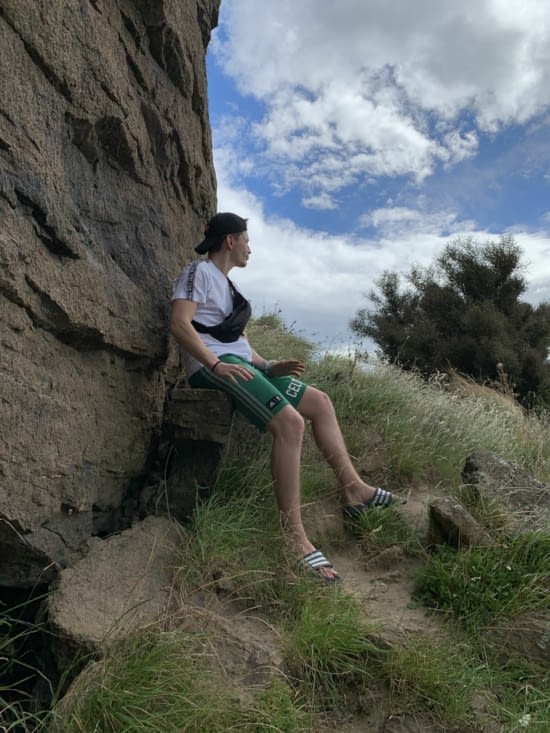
point(205, 435)
point(23, 564)
point(250, 650)
point(526, 499)
point(527, 636)
point(122, 584)
point(451, 522)
point(200, 414)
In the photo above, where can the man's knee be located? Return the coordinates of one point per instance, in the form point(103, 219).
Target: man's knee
point(287, 422)
point(324, 400)
point(318, 403)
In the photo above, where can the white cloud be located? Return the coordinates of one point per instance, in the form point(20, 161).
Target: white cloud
point(536, 248)
point(321, 201)
point(370, 88)
point(362, 92)
point(319, 281)
point(399, 214)
point(459, 146)
point(397, 222)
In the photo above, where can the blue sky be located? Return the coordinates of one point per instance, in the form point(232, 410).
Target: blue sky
point(362, 136)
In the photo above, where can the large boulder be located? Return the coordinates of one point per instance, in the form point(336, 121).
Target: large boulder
point(106, 179)
point(123, 584)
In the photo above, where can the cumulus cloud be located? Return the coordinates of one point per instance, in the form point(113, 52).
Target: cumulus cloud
point(536, 248)
point(396, 222)
point(318, 281)
point(364, 92)
point(368, 88)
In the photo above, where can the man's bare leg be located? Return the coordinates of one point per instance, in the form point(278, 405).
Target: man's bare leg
point(317, 407)
point(287, 430)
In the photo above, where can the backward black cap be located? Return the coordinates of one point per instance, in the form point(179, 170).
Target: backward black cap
point(218, 227)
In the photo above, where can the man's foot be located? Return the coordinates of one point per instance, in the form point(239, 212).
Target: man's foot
point(315, 562)
point(381, 499)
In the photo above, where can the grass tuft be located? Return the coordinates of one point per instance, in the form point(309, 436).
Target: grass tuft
point(273, 339)
point(441, 677)
point(167, 682)
point(379, 529)
point(427, 430)
point(479, 586)
point(328, 646)
point(235, 535)
point(278, 710)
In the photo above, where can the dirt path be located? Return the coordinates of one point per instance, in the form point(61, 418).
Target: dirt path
point(383, 584)
point(386, 593)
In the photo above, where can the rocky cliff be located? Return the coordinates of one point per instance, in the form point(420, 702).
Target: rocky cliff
point(106, 178)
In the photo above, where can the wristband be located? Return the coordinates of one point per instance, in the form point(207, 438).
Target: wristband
point(215, 365)
point(268, 364)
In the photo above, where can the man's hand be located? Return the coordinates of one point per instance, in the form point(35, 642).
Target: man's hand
point(232, 371)
point(286, 368)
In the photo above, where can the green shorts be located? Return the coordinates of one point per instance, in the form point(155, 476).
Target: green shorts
point(259, 399)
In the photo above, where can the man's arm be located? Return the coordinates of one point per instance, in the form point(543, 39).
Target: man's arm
point(183, 331)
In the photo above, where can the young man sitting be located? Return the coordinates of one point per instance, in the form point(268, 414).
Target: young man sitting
point(208, 320)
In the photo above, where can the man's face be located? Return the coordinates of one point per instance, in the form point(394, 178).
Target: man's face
point(241, 250)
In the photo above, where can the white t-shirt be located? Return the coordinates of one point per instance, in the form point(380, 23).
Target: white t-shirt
point(208, 287)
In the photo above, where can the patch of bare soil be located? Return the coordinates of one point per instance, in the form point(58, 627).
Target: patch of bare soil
point(383, 582)
point(385, 591)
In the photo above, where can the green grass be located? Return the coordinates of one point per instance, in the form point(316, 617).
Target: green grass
point(522, 698)
point(167, 682)
point(381, 529)
point(481, 585)
point(428, 431)
point(274, 340)
point(235, 536)
point(442, 677)
point(278, 710)
point(328, 645)
point(333, 656)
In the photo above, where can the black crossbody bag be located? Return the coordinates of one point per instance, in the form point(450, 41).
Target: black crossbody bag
point(233, 326)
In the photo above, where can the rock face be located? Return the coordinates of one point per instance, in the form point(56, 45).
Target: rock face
point(106, 179)
point(200, 425)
